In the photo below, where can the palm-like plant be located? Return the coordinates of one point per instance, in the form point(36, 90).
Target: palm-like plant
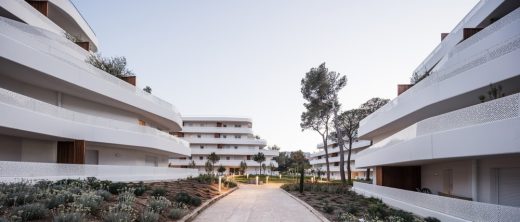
point(259, 158)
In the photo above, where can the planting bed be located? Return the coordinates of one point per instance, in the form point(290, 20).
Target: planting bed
point(94, 200)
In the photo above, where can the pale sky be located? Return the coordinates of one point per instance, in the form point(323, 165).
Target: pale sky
point(247, 58)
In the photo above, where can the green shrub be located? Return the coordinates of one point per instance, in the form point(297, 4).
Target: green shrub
point(195, 201)
point(30, 212)
point(405, 216)
point(116, 188)
point(59, 198)
point(431, 219)
point(159, 192)
point(149, 216)
point(352, 208)
point(126, 197)
point(117, 216)
point(105, 194)
point(394, 218)
point(69, 217)
point(377, 210)
point(182, 197)
point(158, 204)
point(328, 208)
point(176, 213)
point(88, 201)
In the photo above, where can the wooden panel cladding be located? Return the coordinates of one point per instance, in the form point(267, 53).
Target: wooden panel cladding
point(41, 6)
point(129, 79)
point(443, 35)
point(405, 177)
point(141, 122)
point(179, 134)
point(401, 88)
point(85, 45)
point(468, 32)
point(71, 152)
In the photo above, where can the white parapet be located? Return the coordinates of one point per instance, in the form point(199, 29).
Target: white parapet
point(443, 208)
point(18, 171)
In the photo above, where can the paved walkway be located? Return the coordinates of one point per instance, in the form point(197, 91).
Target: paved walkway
point(253, 203)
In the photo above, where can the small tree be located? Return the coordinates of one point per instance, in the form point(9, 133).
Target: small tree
point(243, 166)
point(348, 124)
point(320, 89)
point(115, 66)
point(264, 167)
point(275, 147)
point(148, 89)
point(208, 167)
point(271, 168)
point(213, 158)
point(300, 164)
point(192, 164)
point(259, 158)
point(369, 107)
point(221, 170)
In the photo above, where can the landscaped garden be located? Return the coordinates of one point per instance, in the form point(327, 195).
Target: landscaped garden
point(96, 200)
point(272, 179)
point(338, 203)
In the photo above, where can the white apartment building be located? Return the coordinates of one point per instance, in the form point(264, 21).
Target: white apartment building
point(231, 138)
point(61, 117)
point(318, 162)
point(446, 135)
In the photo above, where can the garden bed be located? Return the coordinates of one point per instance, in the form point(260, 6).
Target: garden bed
point(94, 200)
point(338, 203)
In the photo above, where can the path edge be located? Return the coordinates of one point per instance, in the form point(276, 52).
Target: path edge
point(191, 216)
point(309, 207)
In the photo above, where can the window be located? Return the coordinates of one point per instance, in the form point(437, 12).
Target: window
point(199, 136)
point(202, 147)
point(336, 164)
point(236, 147)
point(228, 158)
point(201, 158)
point(238, 125)
point(225, 136)
point(238, 136)
point(202, 124)
point(190, 158)
point(225, 125)
point(142, 123)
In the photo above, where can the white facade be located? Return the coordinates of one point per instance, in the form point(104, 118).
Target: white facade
point(440, 136)
point(231, 138)
point(318, 162)
point(58, 110)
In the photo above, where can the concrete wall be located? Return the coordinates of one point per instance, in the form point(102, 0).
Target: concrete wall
point(432, 177)
point(27, 150)
point(127, 157)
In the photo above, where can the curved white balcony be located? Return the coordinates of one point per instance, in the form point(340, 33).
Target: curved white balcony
point(357, 145)
point(233, 163)
point(217, 119)
point(229, 141)
point(490, 128)
point(42, 58)
point(22, 114)
point(490, 56)
point(202, 129)
point(231, 151)
point(70, 19)
point(332, 159)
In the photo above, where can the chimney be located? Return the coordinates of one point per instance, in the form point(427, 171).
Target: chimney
point(468, 32)
point(129, 79)
point(443, 35)
point(401, 88)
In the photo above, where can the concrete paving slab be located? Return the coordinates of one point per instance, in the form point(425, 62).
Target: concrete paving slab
point(253, 203)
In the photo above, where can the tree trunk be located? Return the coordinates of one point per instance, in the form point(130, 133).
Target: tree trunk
point(342, 161)
point(367, 177)
point(326, 156)
point(348, 160)
point(302, 172)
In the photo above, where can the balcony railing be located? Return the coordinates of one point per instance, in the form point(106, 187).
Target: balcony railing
point(65, 50)
point(18, 100)
point(17, 171)
point(463, 209)
point(207, 129)
point(242, 141)
point(232, 151)
point(250, 163)
point(494, 110)
point(356, 145)
point(457, 64)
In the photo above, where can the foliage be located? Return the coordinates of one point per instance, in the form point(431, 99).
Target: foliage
point(431, 219)
point(213, 158)
point(69, 217)
point(284, 161)
point(259, 158)
point(159, 192)
point(185, 198)
point(328, 208)
point(149, 216)
point(88, 201)
point(205, 178)
point(115, 188)
point(377, 211)
point(60, 197)
point(208, 167)
point(126, 197)
point(275, 147)
point(221, 169)
point(148, 89)
point(243, 166)
point(105, 194)
point(416, 77)
point(139, 189)
point(158, 204)
point(320, 89)
point(192, 164)
point(176, 213)
point(30, 212)
point(373, 104)
point(115, 66)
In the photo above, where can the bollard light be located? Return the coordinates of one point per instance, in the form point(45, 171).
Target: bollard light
point(266, 179)
point(219, 183)
point(257, 180)
point(280, 176)
point(247, 175)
